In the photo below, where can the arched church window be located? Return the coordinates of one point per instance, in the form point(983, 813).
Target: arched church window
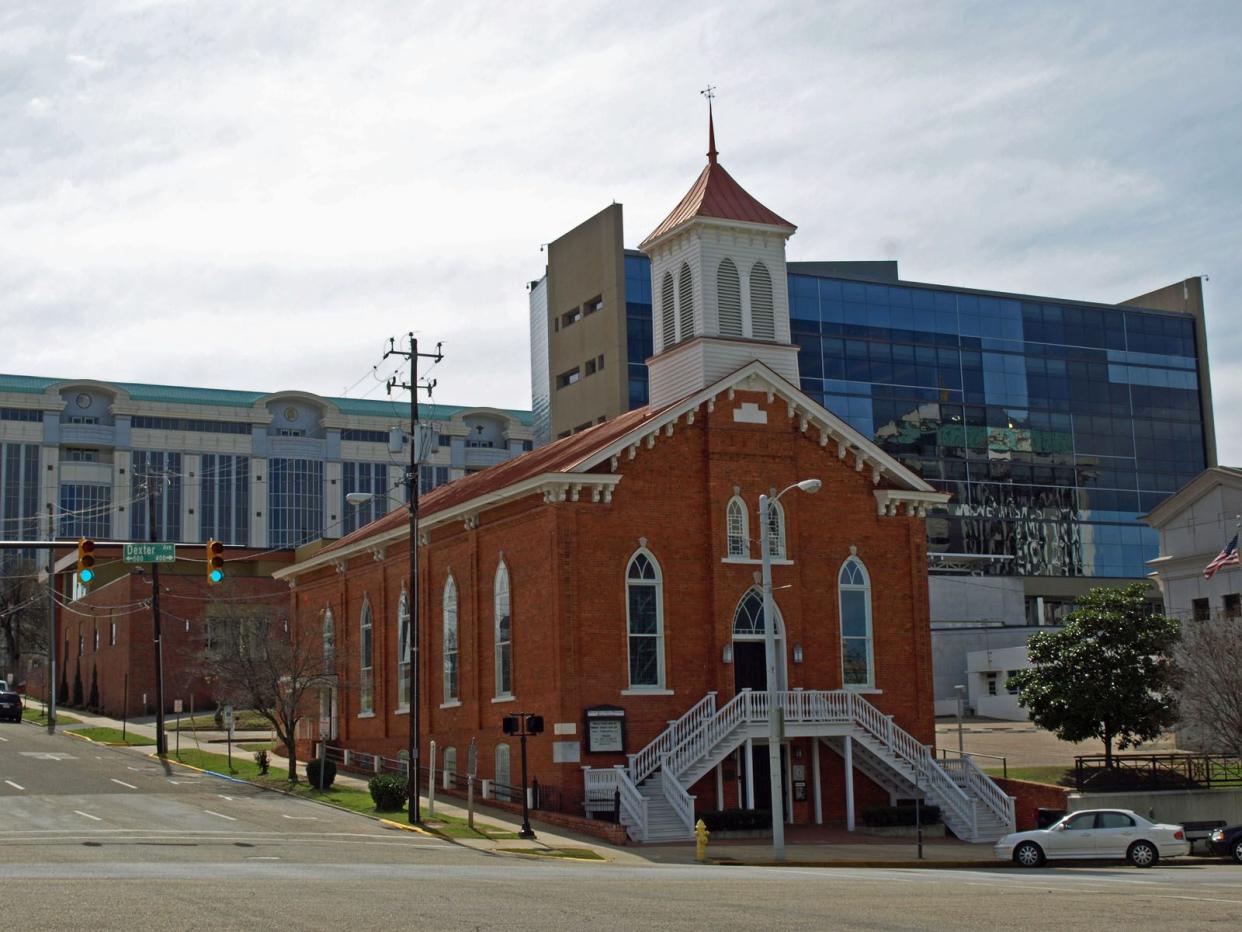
point(738, 528)
point(857, 657)
point(644, 611)
point(668, 320)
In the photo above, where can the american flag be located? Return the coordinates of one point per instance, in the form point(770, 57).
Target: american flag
point(1227, 557)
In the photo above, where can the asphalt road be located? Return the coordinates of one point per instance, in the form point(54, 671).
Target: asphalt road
point(106, 839)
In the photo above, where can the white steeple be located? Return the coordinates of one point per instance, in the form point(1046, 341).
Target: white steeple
point(719, 290)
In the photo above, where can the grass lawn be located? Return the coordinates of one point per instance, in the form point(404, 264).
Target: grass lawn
point(581, 854)
point(113, 736)
point(40, 718)
point(356, 800)
point(257, 746)
point(1052, 774)
point(206, 721)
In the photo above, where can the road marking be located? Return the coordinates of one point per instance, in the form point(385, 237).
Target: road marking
point(5, 740)
point(47, 755)
point(123, 783)
point(261, 858)
point(220, 815)
point(222, 796)
point(16, 786)
point(88, 815)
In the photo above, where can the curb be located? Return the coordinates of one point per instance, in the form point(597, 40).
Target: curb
point(864, 863)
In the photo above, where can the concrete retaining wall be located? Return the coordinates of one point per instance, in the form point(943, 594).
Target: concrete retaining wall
point(1175, 806)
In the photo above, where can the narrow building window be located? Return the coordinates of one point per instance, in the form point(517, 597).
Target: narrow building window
point(857, 661)
point(762, 315)
point(645, 621)
point(503, 789)
point(738, 528)
point(776, 530)
point(403, 652)
point(366, 650)
point(729, 299)
point(450, 641)
point(504, 633)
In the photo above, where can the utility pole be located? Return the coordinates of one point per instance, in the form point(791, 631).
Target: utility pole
point(51, 626)
point(411, 478)
point(161, 740)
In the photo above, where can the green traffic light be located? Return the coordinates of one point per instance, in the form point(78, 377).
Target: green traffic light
point(216, 575)
point(86, 575)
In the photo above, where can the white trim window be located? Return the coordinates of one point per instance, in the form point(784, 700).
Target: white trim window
point(450, 768)
point(737, 526)
point(685, 301)
point(329, 640)
point(503, 633)
point(450, 641)
point(776, 530)
point(112, 634)
point(729, 298)
point(762, 310)
point(857, 656)
point(403, 652)
point(366, 660)
point(505, 789)
point(644, 614)
point(668, 318)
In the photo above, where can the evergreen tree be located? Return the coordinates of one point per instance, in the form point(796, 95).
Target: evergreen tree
point(1106, 674)
point(77, 685)
point(94, 700)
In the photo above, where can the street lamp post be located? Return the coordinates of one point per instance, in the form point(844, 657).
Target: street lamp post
point(961, 705)
point(809, 486)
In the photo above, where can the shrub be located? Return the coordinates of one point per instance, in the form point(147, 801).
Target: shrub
point(329, 773)
point(388, 791)
point(264, 761)
point(883, 816)
point(737, 820)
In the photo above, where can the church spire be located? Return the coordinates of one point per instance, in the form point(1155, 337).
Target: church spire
point(709, 92)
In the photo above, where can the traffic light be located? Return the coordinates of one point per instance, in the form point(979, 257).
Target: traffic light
point(86, 560)
point(215, 562)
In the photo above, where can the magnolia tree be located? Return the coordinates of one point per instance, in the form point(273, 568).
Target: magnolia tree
point(1210, 686)
point(1106, 674)
point(256, 662)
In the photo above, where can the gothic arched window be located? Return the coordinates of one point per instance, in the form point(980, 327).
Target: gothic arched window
point(857, 657)
point(776, 530)
point(738, 528)
point(366, 660)
point(644, 612)
point(503, 633)
point(450, 640)
point(403, 651)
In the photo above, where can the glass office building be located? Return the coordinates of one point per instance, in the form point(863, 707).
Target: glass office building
point(639, 341)
point(1055, 424)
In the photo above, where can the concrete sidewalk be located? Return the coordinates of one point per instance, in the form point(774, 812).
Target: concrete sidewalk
point(203, 739)
point(806, 845)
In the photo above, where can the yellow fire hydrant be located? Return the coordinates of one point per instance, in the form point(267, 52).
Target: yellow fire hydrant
point(700, 840)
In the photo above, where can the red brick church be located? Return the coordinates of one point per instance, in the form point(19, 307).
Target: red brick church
point(609, 582)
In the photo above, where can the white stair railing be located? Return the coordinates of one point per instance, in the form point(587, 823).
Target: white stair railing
point(680, 800)
point(606, 783)
point(644, 763)
point(984, 788)
point(709, 733)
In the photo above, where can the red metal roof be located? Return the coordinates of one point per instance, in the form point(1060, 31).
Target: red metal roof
point(559, 456)
point(715, 194)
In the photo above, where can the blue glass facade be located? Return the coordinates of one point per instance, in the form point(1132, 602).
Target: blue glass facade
point(639, 341)
point(363, 477)
point(294, 501)
point(1054, 424)
point(160, 472)
point(225, 498)
point(85, 510)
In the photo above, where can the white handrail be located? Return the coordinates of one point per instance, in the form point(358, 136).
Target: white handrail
point(680, 800)
point(605, 783)
point(984, 788)
point(644, 763)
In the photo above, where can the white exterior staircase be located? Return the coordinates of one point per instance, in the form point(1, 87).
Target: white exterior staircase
point(653, 788)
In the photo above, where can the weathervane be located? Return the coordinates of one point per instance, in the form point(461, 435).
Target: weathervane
point(710, 93)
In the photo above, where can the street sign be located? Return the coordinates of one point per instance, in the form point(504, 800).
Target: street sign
point(177, 706)
point(472, 759)
point(150, 553)
point(227, 717)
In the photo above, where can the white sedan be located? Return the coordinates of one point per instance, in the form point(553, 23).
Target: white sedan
point(1096, 834)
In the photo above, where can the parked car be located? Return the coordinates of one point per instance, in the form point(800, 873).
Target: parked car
point(1227, 842)
point(1096, 834)
point(10, 704)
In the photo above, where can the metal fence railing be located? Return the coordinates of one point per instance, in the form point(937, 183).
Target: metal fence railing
point(1156, 772)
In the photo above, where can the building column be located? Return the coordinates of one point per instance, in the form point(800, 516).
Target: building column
point(750, 774)
point(849, 783)
point(819, 795)
point(720, 787)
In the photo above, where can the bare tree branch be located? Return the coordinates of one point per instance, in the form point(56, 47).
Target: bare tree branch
point(1210, 687)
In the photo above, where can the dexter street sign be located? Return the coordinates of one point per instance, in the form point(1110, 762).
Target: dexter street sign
point(150, 553)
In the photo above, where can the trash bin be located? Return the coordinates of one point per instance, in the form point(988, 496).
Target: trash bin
point(1046, 817)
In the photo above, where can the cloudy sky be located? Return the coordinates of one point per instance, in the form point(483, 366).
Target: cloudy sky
point(256, 195)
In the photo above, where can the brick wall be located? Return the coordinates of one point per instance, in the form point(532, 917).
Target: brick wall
point(1030, 797)
point(567, 563)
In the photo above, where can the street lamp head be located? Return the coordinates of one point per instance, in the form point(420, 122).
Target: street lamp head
point(810, 486)
point(359, 498)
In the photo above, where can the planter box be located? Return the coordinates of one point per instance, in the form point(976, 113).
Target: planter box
point(903, 831)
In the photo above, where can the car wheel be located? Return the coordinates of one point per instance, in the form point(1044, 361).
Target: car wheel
point(1028, 854)
point(1142, 854)
point(1236, 851)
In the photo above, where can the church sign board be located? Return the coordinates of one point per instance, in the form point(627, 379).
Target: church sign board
point(605, 730)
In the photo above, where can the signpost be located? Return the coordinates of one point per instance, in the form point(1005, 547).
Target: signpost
point(150, 553)
point(227, 716)
point(177, 706)
point(472, 770)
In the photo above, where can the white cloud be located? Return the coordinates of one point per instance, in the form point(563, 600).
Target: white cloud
point(318, 176)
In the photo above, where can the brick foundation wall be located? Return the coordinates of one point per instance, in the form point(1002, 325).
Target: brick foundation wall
point(1029, 797)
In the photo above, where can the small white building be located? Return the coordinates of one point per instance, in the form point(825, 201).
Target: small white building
point(1195, 523)
point(988, 692)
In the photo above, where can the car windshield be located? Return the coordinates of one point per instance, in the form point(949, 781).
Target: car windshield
point(4, 687)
